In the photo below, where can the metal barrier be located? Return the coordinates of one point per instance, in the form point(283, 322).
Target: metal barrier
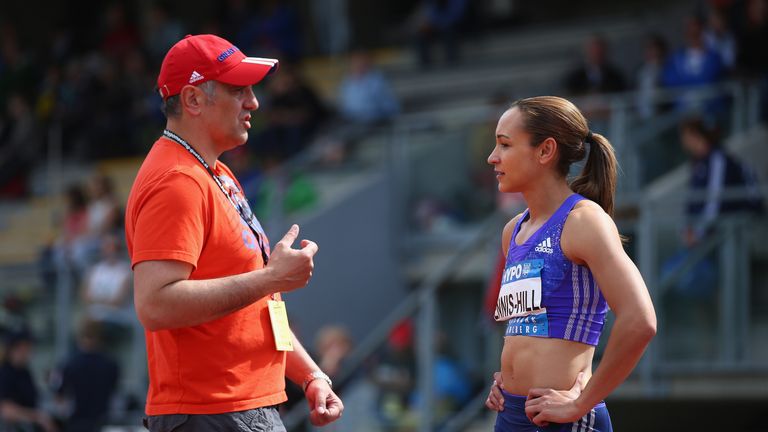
point(421, 303)
point(729, 248)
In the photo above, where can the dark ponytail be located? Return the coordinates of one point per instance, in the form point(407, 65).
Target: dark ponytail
point(597, 180)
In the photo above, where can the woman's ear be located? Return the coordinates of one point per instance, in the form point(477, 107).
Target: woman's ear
point(547, 151)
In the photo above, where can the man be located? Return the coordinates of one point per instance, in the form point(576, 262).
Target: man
point(19, 397)
point(206, 288)
point(597, 74)
point(88, 380)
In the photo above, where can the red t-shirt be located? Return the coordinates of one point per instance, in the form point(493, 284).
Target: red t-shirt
point(176, 211)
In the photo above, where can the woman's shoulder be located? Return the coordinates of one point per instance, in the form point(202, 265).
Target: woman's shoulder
point(588, 214)
point(588, 226)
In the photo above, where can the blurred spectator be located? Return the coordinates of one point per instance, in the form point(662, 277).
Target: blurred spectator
point(60, 45)
point(18, 73)
point(439, 20)
point(109, 129)
point(332, 27)
point(68, 247)
point(452, 387)
point(365, 95)
point(104, 213)
point(592, 79)
point(332, 345)
point(162, 30)
point(47, 101)
point(752, 55)
point(274, 31)
point(694, 64)
point(718, 38)
point(298, 192)
point(714, 173)
point(71, 246)
point(19, 398)
point(106, 291)
point(294, 115)
point(145, 118)
point(395, 375)
point(597, 74)
point(102, 216)
point(75, 221)
point(365, 101)
point(73, 99)
point(236, 15)
point(649, 75)
point(119, 30)
point(437, 216)
point(21, 143)
point(88, 381)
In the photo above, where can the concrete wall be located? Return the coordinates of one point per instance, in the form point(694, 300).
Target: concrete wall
point(356, 280)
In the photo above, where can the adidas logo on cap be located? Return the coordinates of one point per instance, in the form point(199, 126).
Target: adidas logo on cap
point(195, 77)
point(545, 246)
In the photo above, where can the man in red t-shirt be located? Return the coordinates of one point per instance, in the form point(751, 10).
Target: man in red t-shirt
point(206, 287)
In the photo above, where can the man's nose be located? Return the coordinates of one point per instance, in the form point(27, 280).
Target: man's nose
point(251, 103)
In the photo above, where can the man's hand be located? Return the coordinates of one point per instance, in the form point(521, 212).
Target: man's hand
point(324, 406)
point(292, 268)
point(547, 405)
point(495, 399)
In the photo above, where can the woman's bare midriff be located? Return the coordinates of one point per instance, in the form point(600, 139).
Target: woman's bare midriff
point(533, 362)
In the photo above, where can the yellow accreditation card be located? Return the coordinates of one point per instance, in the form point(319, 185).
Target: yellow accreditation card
point(280, 328)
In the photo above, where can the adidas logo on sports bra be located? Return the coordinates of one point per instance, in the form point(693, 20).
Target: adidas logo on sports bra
point(545, 246)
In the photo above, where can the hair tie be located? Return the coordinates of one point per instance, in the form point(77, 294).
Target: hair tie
point(588, 138)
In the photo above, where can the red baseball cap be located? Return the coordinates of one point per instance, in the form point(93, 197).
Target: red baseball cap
point(200, 58)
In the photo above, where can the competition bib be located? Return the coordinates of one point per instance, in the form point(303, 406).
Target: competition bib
point(520, 299)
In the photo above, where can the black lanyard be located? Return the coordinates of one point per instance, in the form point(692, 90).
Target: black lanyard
point(244, 210)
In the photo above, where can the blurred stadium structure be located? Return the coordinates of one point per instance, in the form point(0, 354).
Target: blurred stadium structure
point(408, 220)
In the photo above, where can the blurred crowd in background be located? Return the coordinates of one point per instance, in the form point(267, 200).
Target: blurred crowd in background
point(94, 88)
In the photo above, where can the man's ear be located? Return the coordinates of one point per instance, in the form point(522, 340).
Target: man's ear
point(192, 99)
point(547, 151)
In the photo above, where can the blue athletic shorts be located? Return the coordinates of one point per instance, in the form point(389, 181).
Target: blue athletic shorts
point(513, 419)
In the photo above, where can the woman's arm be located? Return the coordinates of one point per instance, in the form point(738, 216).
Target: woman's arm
point(590, 238)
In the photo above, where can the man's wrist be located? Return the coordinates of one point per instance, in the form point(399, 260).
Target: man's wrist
point(315, 375)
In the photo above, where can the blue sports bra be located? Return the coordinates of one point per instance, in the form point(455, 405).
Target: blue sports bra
point(543, 293)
